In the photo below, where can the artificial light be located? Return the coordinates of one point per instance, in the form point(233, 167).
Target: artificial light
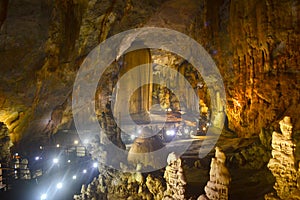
point(43, 196)
point(95, 165)
point(170, 132)
point(59, 185)
point(55, 160)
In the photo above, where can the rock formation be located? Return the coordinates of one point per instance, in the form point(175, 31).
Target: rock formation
point(155, 186)
point(140, 94)
point(147, 143)
point(255, 46)
point(5, 143)
point(118, 185)
point(217, 186)
point(175, 179)
point(283, 163)
point(24, 170)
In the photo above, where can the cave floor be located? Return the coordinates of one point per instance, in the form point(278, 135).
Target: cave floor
point(246, 184)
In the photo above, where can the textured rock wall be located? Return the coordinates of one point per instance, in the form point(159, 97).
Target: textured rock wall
point(42, 43)
point(5, 144)
point(3, 11)
point(22, 36)
point(283, 163)
point(255, 45)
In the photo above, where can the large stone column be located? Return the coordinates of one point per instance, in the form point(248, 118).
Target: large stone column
point(140, 100)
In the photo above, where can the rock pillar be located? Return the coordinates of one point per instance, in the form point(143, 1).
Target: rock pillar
point(217, 186)
point(282, 163)
point(176, 181)
point(140, 100)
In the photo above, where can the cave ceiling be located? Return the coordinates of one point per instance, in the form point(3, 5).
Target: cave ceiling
point(255, 45)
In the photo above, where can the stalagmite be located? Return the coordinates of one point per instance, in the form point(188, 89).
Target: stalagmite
point(217, 186)
point(282, 165)
point(176, 181)
point(146, 143)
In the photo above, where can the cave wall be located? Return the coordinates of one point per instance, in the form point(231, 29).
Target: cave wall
point(5, 143)
point(42, 44)
point(256, 47)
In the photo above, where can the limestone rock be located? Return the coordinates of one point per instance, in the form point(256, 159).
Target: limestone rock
point(254, 156)
point(175, 179)
point(155, 186)
point(217, 186)
point(147, 144)
point(5, 143)
point(283, 164)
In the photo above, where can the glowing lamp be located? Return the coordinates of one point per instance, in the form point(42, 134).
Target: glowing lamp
point(95, 165)
point(59, 185)
point(170, 132)
point(43, 196)
point(55, 160)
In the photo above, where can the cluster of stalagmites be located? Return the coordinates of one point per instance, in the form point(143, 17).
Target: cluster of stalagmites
point(283, 163)
point(112, 184)
point(119, 185)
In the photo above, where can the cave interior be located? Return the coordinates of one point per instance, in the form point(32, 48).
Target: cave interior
point(166, 99)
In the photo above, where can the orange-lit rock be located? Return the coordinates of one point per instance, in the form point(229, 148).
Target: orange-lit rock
point(283, 162)
point(218, 185)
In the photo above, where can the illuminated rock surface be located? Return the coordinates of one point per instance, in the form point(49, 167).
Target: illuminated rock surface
point(218, 185)
point(5, 143)
point(143, 149)
point(283, 163)
point(255, 45)
point(175, 179)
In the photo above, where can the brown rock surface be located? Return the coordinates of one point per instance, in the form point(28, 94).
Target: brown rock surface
point(143, 150)
point(5, 144)
point(283, 162)
point(42, 43)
